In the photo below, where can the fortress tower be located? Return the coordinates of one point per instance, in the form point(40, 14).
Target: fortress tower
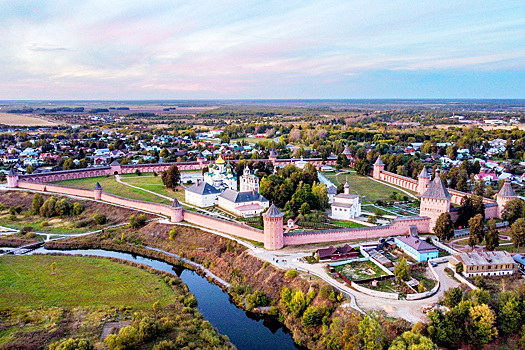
point(423, 181)
point(504, 196)
point(177, 212)
point(200, 159)
point(272, 157)
point(97, 191)
point(273, 228)
point(249, 182)
point(379, 166)
point(12, 179)
point(435, 200)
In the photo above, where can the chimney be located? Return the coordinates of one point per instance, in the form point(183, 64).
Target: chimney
point(197, 182)
point(253, 192)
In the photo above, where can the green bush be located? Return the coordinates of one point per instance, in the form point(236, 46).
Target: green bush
point(290, 274)
point(72, 344)
point(257, 299)
point(312, 316)
point(100, 219)
point(77, 208)
point(165, 345)
point(63, 207)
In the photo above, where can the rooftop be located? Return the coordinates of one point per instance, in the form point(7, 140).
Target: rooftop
point(417, 243)
point(437, 189)
point(486, 258)
point(273, 212)
point(241, 197)
point(506, 190)
point(203, 188)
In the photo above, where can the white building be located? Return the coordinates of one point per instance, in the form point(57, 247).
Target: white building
point(202, 194)
point(249, 182)
point(345, 205)
point(220, 176)
point(245, 204)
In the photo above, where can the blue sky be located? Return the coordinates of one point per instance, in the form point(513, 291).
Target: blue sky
point(261, 49)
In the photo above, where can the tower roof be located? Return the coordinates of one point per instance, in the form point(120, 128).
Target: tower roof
point(115, 162)
point(272, 153)
point(506, 190)
point(346, 185)
point(437, 189)
point(346, 151)
point(12, 172)
point(424, 173)
point(379, 161)
point(219, 160)
point(176, 203)
point(98, 187)
point(199, 155)
point(273, 212)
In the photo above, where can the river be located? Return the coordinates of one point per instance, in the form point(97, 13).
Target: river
point(246, 330)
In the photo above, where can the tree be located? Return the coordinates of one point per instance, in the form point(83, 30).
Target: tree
point(63, 207)
point(476, 230)
point(401, 270)
point(37, 203)
point(47, 209)
point(362, 167)
point(514, 209)
point(492, 235)
point(312, 317)
point(321, 194)
point(510, 317)
point(412, 341)
point(482, 329)
point(171, 177)
point(305, 209)
point(298, 303)
point(444, 228)
point(517, 232)
point(370, 334)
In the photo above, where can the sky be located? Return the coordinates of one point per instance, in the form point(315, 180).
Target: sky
point(286, 49)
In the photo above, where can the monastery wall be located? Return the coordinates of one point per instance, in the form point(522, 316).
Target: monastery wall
point(56, 189)
point(239, 230)
point(396, 228)
point(398, 180)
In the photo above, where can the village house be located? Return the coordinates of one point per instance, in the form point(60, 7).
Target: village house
point(417, 248)
point(337, 253)
point(484, 263)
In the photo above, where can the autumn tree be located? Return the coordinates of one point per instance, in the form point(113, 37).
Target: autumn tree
point(370, 334)
point(401, 270)
point(411, 340)
point(171, 177)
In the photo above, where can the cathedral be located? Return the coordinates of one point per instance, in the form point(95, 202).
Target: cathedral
point(220, 175)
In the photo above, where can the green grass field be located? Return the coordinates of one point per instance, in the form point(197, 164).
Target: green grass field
point(363, 186)
point(27, 281)
point(112, 186)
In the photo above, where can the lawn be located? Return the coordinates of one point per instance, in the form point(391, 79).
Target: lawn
point(363, 186)
point(349, 224)
point(113, 187)
point(27, 281)
point(356, 271)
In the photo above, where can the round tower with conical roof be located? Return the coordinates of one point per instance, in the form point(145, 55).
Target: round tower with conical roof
point(272, 157)
point(273, 228)
point(97, 191)
point(435, 201)
point(200, 159)
point(379, 166)
point(504, 195)
point(12, 179)
point(177, 214)
point(423, 181)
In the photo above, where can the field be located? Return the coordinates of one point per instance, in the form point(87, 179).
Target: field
point(112, 186)
point(363, 186)
point(77, 281)
point(23, 120)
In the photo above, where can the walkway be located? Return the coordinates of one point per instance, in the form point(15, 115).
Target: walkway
point(184, 204)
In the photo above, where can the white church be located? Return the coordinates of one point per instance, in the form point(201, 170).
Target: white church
point(220, 175)
point(346, 206)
